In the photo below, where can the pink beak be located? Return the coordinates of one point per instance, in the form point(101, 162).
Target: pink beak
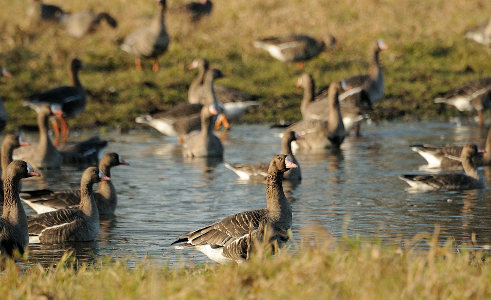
point(289, 164)
point(481, 150)
point(299, 83)
point(34, 174)
point(124, 162)
point(24, 143)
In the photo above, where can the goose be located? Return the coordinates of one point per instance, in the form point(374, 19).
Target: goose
point(481, 33)
point(105, 196)
point(70, 225)
point(3, 111)
point(475, 95)
point(234, 237)
point(150, 41)
point(44, 155)
point(469, 180)
point(5, 72)
point(260, 170)
point(38, 11)
point(444, 157)
point(234, 102)
point(203, 143)
point(294, 48)
point(79, 24)
point(197, 10)
point(322, 134)
point(13, 223)
point(65, 101)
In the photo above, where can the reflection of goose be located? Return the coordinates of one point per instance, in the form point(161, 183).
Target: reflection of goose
point(467, 181)
point(233, 238)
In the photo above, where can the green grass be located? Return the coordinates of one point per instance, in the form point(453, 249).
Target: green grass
point(428, 55)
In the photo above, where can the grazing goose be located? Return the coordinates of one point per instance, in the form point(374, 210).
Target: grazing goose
point(260, 170)
point(70, 225)
point(80, 23)
point(322, 134)
point(294, 48)
point(65, 101)
point(38, 11)
point(13, 224)
point(475, 95)
point(197, 10)
point(105, 196)
point(234, 102)
point(203, 143)
point(481, 33)
point(444, 157)
point(469, 180)
point(354, 104)
point(150, 41)
point(233, 238)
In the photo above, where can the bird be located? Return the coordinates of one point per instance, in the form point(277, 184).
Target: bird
point(13, 223)
point(39, 11)
point(42, 201)
point(259, 170)
point(149, 41)
point(70, 225)
point(196, 10)
point(454, 181)
point(480, 33)
point(65, 101)
point(78, 24)
point(472, 96)
point(294, 48)
point(3, 111)
point(234, 238)
point(203, 143)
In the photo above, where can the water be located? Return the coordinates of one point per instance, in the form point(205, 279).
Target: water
point(354, 191)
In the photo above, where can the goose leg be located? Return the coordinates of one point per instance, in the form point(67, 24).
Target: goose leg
point(56, 130)
point(138, 64)
point(64, 126)
point(481, 118)
point(155, 66)
point(180, 139)
point(300, 65)
point(222, 119)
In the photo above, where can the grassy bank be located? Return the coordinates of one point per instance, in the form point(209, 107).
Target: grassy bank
point(327, 270)
point(427, 55)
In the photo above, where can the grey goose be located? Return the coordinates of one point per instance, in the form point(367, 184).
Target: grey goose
point(234, 237)
point(149, 41)
point(43, 201)
point(70, 225)
point(248, 171)
point(39, 11)
point(452, 181)
point(196, 10)
point(78, 24)
point(203, 143)
point(13, 224)
point(473, 96)
point(481, 33)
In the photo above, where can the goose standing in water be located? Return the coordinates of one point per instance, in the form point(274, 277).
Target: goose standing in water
point(233, 238)
point(260, 170)
point(473, 96)
point(13, 224)
point(70, 225)
point(467, 181)
point(81, 23)
point(150, 41)
point(203, 143)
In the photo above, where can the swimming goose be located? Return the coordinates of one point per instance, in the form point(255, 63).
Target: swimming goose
point(70, 225)
point(79, 24)
point(105, 196)
point(233, 238)
point(65, 101)
point(321, 134)
point(469, 180)
point(260, 170)
point(13, 224)
point(149, 41)
point(203, 143)
point(294, 48)
point(475, 95)
point(445, 156)
point(481, 33)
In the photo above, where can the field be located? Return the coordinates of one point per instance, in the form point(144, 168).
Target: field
point(427, 55)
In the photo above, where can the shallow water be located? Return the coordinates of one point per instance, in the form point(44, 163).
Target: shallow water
point(353, 191)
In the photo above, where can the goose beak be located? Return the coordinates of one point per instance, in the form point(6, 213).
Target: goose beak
point(23, 143)
point(213, 110)
point(103, 177)
point(299, 83)
point(6, 73)
point(289, 164)
point(123, 162)
point(193, 65)
point(382, 45)
point(345, 86)
point(31, 172)
point(481, 150)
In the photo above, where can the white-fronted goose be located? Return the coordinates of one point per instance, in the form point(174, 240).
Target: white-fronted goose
point(70, 225)
point(233, 238)
point(260, 170)
point(444, 157)
point(294, 48)
point(38, 11)
point(65, 101)
point(150, 41)
point(79, 24)
point(481, 33)
point(469, 180)
point(322, 134)
point(13, 224)
point(475, 95)
point(105, 196)
point(203, 143)
point(197, 10)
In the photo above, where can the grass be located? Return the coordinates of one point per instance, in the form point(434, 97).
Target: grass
point(349, 269)
point(428, 55)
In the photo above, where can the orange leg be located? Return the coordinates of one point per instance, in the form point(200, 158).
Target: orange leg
point(155, 66)
point(138, 64)
point(222, 120)
point(64, 129)
point(56, 129)
point(180, 139)
point(300, 65)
